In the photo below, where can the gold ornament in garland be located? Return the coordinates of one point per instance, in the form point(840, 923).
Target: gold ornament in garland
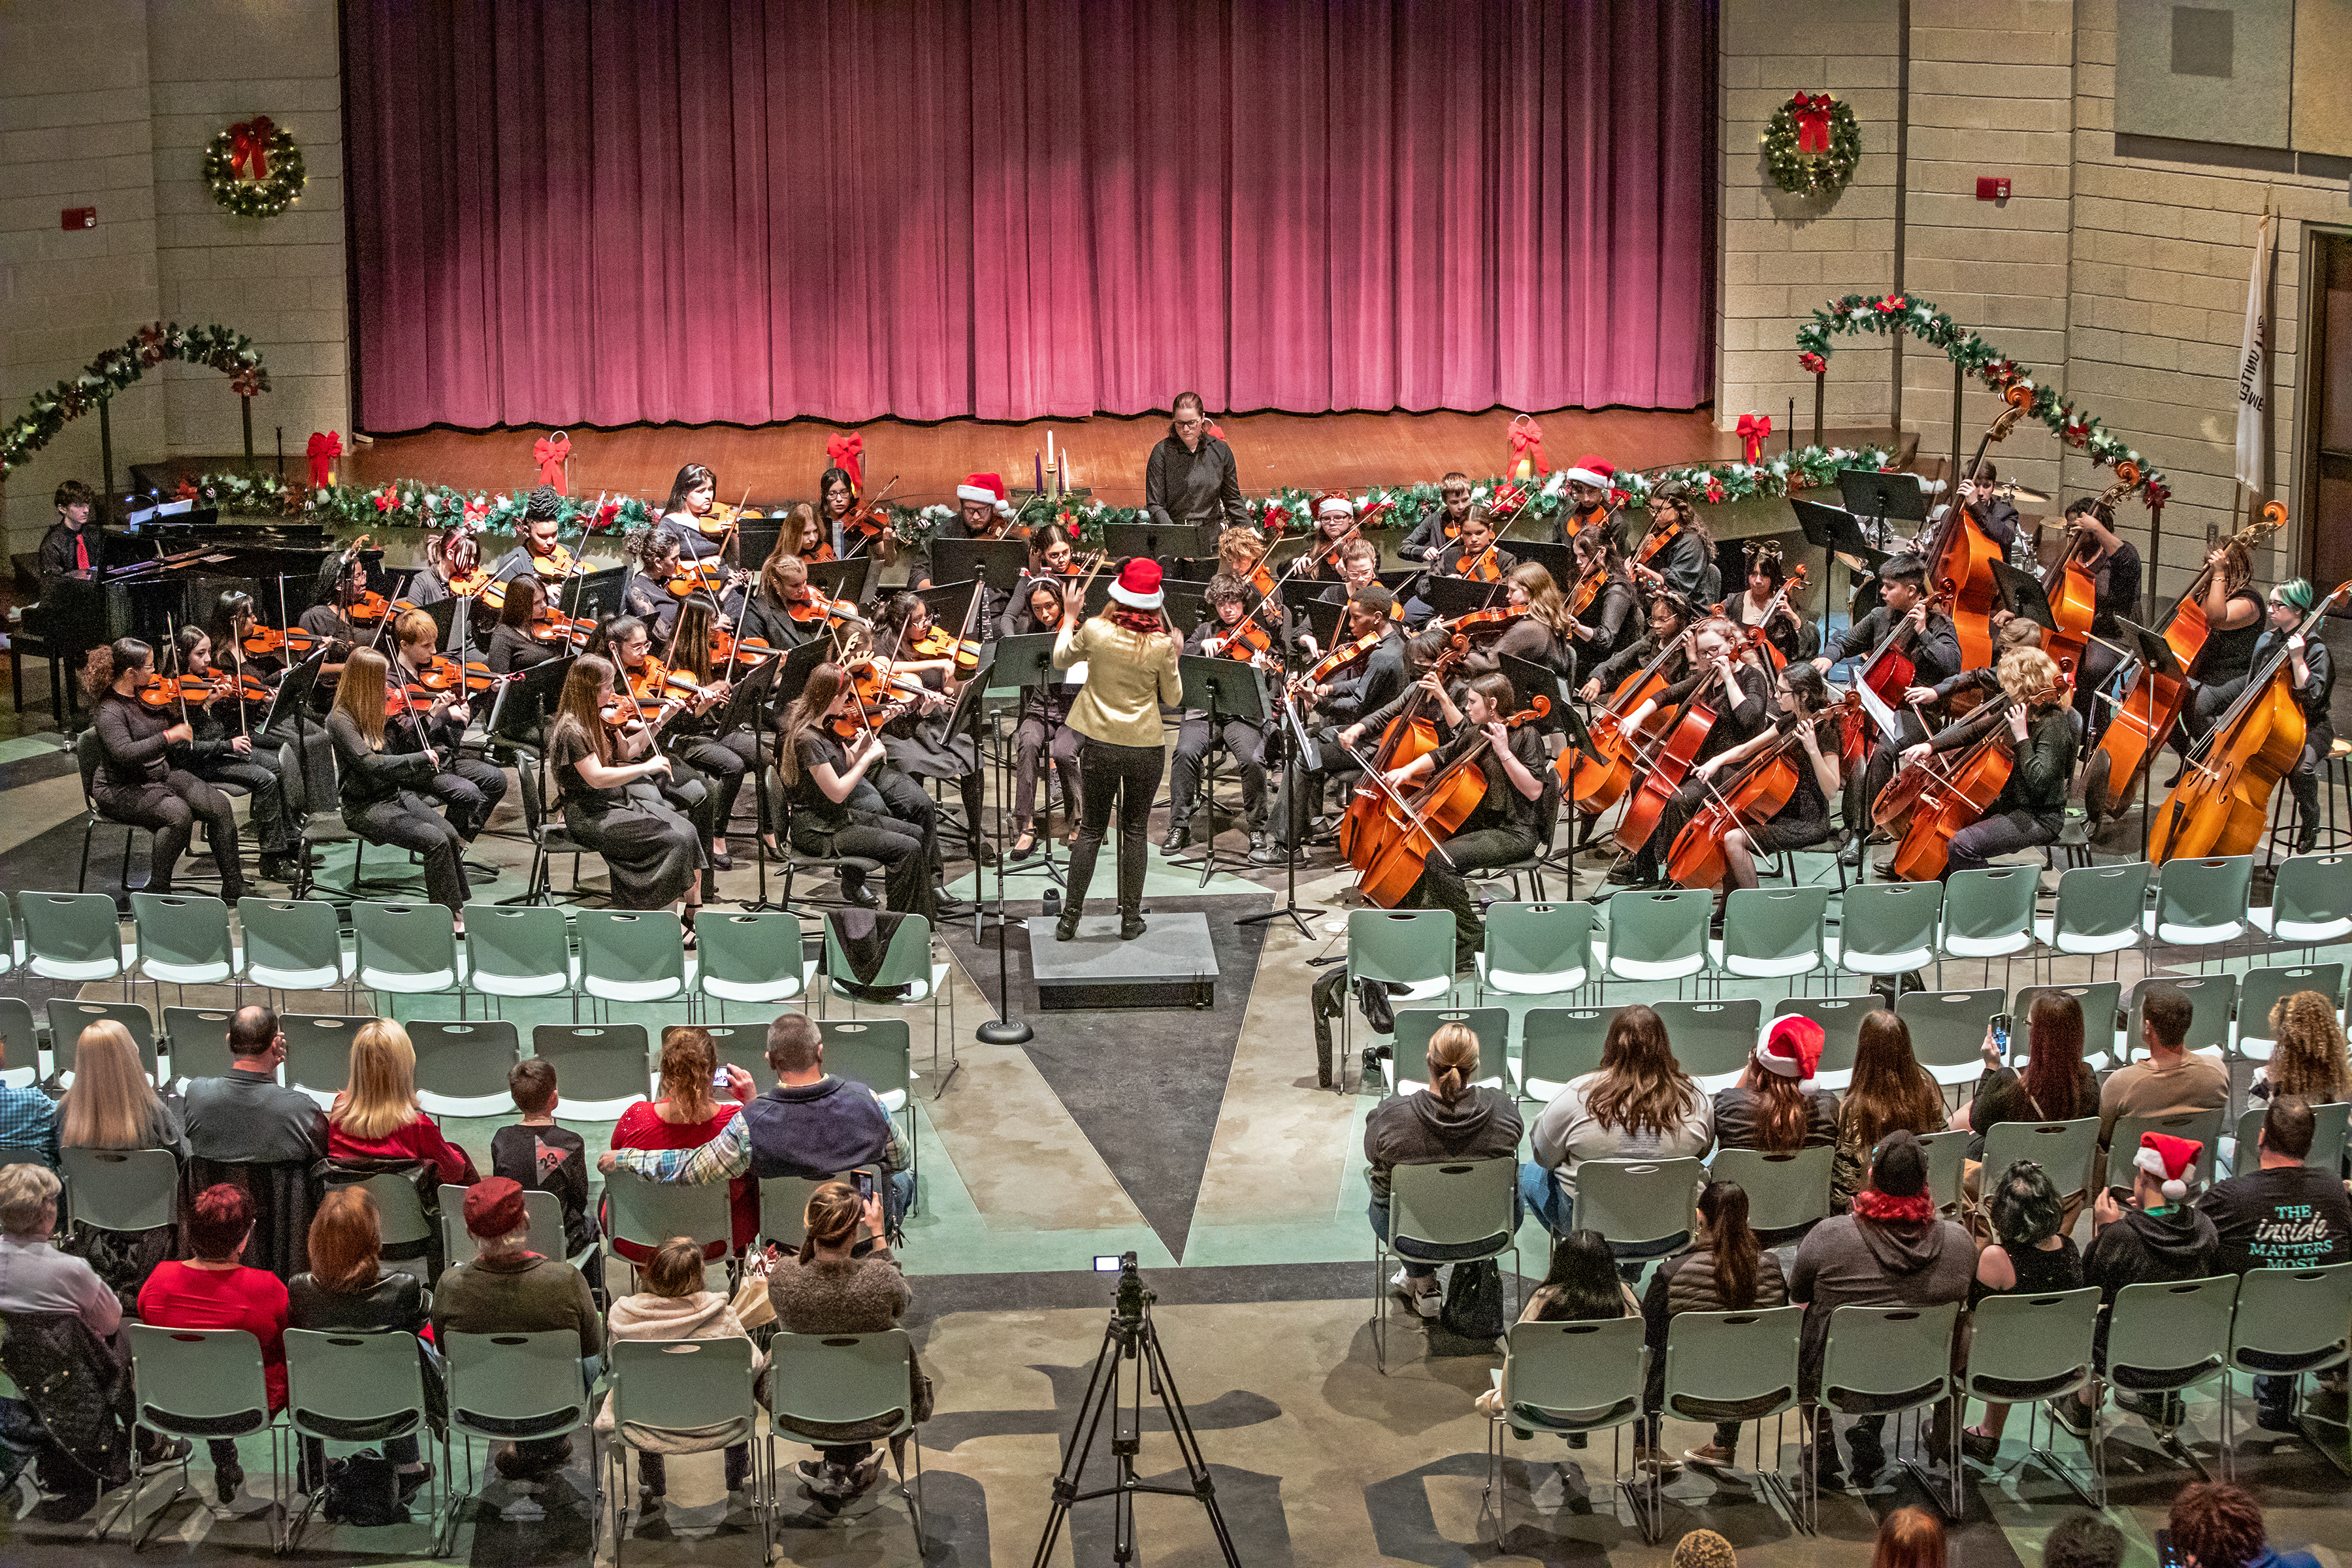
point(253, 168)
point(1811, 146)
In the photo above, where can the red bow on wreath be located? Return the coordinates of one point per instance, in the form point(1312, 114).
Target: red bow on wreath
point(842, 452)
point(325, 448)
point(1811, 113)
point(249, 144)
point(1527, 441)
point(1753, 428)
point(550, 456)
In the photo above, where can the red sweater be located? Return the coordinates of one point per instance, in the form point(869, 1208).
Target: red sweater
point(642, 1127)
point(420, 1139)
point(181, 1296)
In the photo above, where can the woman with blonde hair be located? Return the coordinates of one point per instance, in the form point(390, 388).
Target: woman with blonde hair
point(112, 1103)
point(1453, 1118)
point(376, 1118)
point(2031, 806)
point(2308, 1057)
point(1542, 635)
point(829, 1288)
point(1638, 1105)
point(689, 1114)
point(384, 792)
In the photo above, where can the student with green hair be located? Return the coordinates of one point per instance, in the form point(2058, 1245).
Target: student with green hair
point(2310, 675)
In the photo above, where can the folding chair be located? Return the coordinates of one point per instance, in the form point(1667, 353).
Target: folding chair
point(505, 1388)
point(357, 1388)
point(193, 1384)
point(644, 1212)
point(1773, 933)
point(1416, 1026)
point(319, 1052)
point(602, 1068)
point(1552, 1372)
point(119, 1189)
point(74, 937)
point(409, 949)
point(21, 1037)
point(2311, 902)
point(2162, 1339)
point(2098, 912)
point(1559, 1045)
point(461, 1065)
point(1889, 928)
point(907, 967)
point(184, 941)
point(519, 951)
point(1643, 1208)
point(2213, 995)
point(2328, 1140)
point(1464, 1204)
point(2288, 1322)
point(1786, 1193)
point(196, 1039)
point(68, 1018)
point(2064, 1150)
point(1988, 915)
point(633, 955)
point(1947, 1031)
point(821, 1381)
point(1536, 949)
point(1742, 1366)
point(2262, 988)
point(1841, 1020)
point(1656, 935)
point(1887, 1360)
point(2203, 1127)
point(2200, 903)
point(754, 959)
point(2030, 1350)
point(2098, 1000)
point(295, 944)
point(1713, 1039)
point(697, 1388)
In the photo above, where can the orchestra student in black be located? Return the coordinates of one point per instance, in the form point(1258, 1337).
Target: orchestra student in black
point(469, 787)
point(1748, 608)
point(696, 735)
point(1741, 695)
point(920, 745)
point(835, 811)
point(1044, 731)
point(138, 780)
point(2113, 566)
point(1227, 598)
point(341, 579)
point(1600, 630)
point(1476, 555)
point(1799, 695)
point(1437, 530)
point(648, 596)
point(383, 790)
point(767, 615)
point(691, 495)
point(222, 752)
point(1685, 563)
point(512, 645)
point(1540, 637)
point(608, 786)
point(232, 621)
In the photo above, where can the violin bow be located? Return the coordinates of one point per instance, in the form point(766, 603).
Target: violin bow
point(859, 510)
point(180, 688)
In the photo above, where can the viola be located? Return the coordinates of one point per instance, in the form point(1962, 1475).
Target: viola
point(263, 641)
point(2220, 806)
point(704, 577)
point(1950, 791)
point(867, 521)
point(722, 519)
point(1435, 811)
point(1246, 640)
point(726, 649)
point(1589, 589)
point(443, 673)
point(654, 678)
point(552, 625)
point(466, 584)
point(1364, 830)
point(936, 642)
point(1481, 567)
point(1764, 785)
point(1595, 786)
point(1657, 539)
point(2152, 703)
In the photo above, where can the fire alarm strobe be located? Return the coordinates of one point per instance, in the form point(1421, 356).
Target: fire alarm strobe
point(1992, 187)
point(78, 217)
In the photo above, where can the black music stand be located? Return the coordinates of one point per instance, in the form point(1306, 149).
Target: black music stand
point(951, 606)
point(1453, 597)
point(2022, 594)
point(1305, 759)
point(1834, 533)
point(998, 563)
point(1227, 690)
point(842, 579)
point(1287, 549)
point(595, 594)
point(1397, 579)
point(1026, 664)
point(1322, 617)
point(1560, 560)
point(748, 704)
point(1529, 678)
point(756, 539)
point(1882, 498)
point(1158, 542)
point(292, 698)
point(1184, 605)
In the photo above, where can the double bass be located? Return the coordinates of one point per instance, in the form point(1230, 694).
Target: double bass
point(2143, 721)
point(1950, 791)
point(2224, 794)
point(1437, 810)
point(1764, 785)
point(2074, 596)
point(1960, 557)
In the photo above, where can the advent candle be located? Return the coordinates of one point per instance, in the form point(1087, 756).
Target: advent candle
point(1040, 463)
point(1065, 480)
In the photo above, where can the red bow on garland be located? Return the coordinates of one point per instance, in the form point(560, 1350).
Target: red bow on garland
point(325, 448)
point(1752, 431)
point(550, 456)
point(1527, 441)
point(249, 146)
point(1811, 113)
point(842, 451)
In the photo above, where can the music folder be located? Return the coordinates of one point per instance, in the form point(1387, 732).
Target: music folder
point(1890, 498)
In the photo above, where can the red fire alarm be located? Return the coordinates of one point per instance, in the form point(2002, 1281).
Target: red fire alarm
point(1992, 187)
point(78, 217)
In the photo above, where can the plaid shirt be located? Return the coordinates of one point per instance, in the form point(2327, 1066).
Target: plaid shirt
point(29, 1120)
point(728, 1154)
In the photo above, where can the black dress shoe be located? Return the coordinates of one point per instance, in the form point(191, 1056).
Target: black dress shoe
point(1022, 851)
point(984, 853)
point(1263, 852)
point(1066, 927)
point(721, 862)
point(1179, 835)
point(1131, 925)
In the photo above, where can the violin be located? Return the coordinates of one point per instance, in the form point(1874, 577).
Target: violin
point(443, 673)
point(1342, 657)
point(1949, 790)
point(866, 521)
point(726, 649)
point(1764, 785)
point(817, 607)
point(550, 625)
point(1489, 621)
point(938, 642)
point(879, 697)
point(722, 519)
point(263, 641)
point(1481, 567)
point(654, 678)
point(466, 584)
point(1246, 641)
point(1589, 589)
point(412, 699)
point(368, 606)
point(1435, 811)
point(556, 564)
point(1657, 539)
point(170, 690)
point(704, 577)
point(626, 718)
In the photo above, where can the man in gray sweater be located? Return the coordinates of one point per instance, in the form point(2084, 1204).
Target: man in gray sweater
point(1891, 1252)
point(243, 1117)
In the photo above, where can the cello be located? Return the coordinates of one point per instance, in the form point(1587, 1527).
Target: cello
point(1764, 785)
point(1412, 734)
point(1945, 797)
point(1669, 766)
point(1435, 811)
point(2224, 794)
point(1961, 556)
point(1889, 672)
point(2143, 721)
point(1595, 786)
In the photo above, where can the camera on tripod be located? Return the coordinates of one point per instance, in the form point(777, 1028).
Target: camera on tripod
point(1128, 1305)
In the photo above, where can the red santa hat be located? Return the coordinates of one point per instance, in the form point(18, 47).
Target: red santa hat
point(1792, 1049)
point(987, 487)
point(1139, 584)
point(1332, 503)
point(2169, 1160)
point(1591, 470)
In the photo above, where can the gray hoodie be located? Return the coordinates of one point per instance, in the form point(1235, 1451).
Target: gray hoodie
point(1418, 1129)
point(1849, 1261)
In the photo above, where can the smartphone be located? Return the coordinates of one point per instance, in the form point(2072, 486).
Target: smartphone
point(2000, 1022)
point(864, 1187)
point(721, 1080)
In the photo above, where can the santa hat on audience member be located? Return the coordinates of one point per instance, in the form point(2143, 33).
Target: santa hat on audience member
point(2168, 1159)
point(987, 487)
point(1591, 470)
point(1333, 503)
point(1792, 1049)
point(1138, 585)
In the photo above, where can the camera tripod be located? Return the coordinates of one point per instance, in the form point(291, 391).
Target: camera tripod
point(1131, 1338)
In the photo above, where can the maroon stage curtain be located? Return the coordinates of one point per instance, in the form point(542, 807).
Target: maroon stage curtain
point(754, 210)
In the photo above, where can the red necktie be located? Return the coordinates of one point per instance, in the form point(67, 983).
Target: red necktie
point(81, 551)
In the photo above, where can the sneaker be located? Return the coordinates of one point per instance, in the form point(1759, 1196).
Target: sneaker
point(1708, 1456)
point(863, 1477)
point(1866, 1462)
point(163, 1450)
point(414, 1482)
point(1427, 1303)
point(1650, 1461)
point(2073, 1415)
point(822, 1479)
point(1625, 874)
point(2275, 1418)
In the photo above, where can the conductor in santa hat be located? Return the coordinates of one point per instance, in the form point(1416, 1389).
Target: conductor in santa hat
point(1589, 504)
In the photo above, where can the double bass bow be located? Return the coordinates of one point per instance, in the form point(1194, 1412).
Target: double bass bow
point(1410, 735)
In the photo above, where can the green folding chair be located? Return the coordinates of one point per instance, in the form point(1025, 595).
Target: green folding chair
point(12, 942)
point(2166, 1338)
point(119, 1189)
point(357, 1388)
point(2030, 1351)
point(2099, 1000)
point(602, 1068)
point(2066, 1150)
point(1787, 1193)
point(408, 1232)
point(783, 1209)
point(521, 950)
point(1947, 1031)
point(2200, 903)
point(2289, 1322)
point(295, 944)
point(1571, 1378)
point(2311, 902)
point(1988, 915)
point(2098, 912)
point(1415, 1027)
point(1470, 1205)
point(184, 941)
point(2215, 998)
point(1560, 1045)
point(1948, 1155)
point(408, 950)
point(1889, 928)
point(743, 1045)
point(1773, 933)
point(20, 1037)
point(821, 1381)
point(638, 956)
point(697, 1394)
point(1712, 1040)
point(1742, 1366)
point(1841, 1020)
point(68, 1017)
point(2261, 989)
point(1657, 936)
point(2201, 1127)
point(544, 1210)
point(198, 1383)
point(1643, 1208)
point(1535, 949)
point(319, 1052)
point(74, 937)
point(462, 1065)
point(505, 1388)
point(643, 1213)
point(875, 1052)
point(754, 959)
point(1888, 1361)
point(907, 967)
point(195, 1041)
point(2327, 1138)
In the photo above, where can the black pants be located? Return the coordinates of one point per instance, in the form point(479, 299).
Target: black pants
point(1444, 881)
point(2099, 662)
point(1676, 815)
point(650, 849)
point(257, 774)
point(407, 820)
point(2197, 715)
point(1243, 744)
point(1974, 846)
point(1120, 777)
point(653, 1474)
point(1298, 798)
point(1863, 790)
point(170, 808)
point(905, 803)
point(722, 761)
point(2303, 780)
point(1033, 742)
point(470, 788)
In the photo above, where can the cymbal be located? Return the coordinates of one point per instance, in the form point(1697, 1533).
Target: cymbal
point(2018, 492)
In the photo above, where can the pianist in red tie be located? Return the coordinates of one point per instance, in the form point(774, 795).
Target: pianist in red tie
point(70, 544)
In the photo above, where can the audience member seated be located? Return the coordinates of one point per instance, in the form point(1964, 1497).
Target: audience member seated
point(2287, 1214)
point(1890, 1092)
point(1639, 1105)
point(215, 1291)
point(1776, 1106)
point(2083, 1540)
point(2158, 1238)
point(1582, 1285)
point(1723, 1270)
point(43, 1290)
point(1891, 1252)
point(2170, 1078)
point(1455, 1119)
point(376, 1120)
point(243, 1117)
point(348, 1291)
point(1909, 1538)
point(826, 1289)
point(538, 1157)
point(2307, 1056)
point(2216, 1525)
point(508, 1288)
point(2029, 1255)
point(811, 1125)
point(28, 1117)
point(2057, 1084)
point(688, 1115)
point(112, 1104)
point(673, 1306)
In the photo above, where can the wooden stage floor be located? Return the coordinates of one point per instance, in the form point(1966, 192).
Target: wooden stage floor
point(781, 462)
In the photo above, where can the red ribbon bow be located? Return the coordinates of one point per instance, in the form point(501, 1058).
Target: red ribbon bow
point(1752, 431)
point(1527, 441)
point(842, 451)
point(550, 456)
point(1812, 114)
point(325, 448)
point(249, 144)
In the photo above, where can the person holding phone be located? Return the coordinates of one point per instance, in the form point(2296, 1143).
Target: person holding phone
point(830, 1288)
point(697, 1099)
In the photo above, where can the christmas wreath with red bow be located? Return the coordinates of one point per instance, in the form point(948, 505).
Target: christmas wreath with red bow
point(253, 168)
point(1811, 146)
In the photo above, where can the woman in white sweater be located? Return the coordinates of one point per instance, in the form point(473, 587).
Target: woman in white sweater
point(1640, 1105)
point(673, 1306)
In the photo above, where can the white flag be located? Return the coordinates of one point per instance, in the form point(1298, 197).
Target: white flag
point(2253, 369)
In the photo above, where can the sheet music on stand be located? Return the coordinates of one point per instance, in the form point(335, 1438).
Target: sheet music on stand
point(998, 563)
point(950, 603)
point(1185, 605)
point(1153, 541)
point(2022, 594)
point(793, 671)
point(842, 579)
point(292, 699)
